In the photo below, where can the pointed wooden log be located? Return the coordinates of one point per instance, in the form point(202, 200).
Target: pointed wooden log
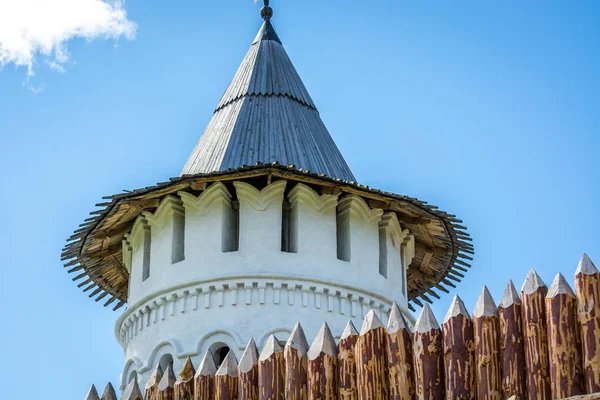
point(184, 387)
point(322, 366)
point(248, 373)
point(587, 284)
point(109, 393)
point(566, 372)
point(346, 364)
point(226, 379)
point(428, 356)
point(511, 344)
point(399, 356)
point(371, 360)
point(151, 388)
point(92, 394)
point(166, 386)
point(459, 352)
point(487, 348)
point(271, 371)
point(205, 377)
point(132, 391)
point(296, 365)
point(535, 334)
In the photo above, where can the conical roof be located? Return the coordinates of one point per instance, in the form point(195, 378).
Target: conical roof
point(267, 116)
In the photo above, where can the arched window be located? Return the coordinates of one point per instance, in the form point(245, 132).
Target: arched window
point(220, 351)
point(133, 375)
point(165, 361)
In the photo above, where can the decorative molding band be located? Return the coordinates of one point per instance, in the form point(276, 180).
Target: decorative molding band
point(249, 290)
point(358, 208)
point(260, 199)
point(318, 204)
point(204, 202)
point(169, 206)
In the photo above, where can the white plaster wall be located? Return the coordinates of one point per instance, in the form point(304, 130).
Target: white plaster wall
point(215, 296)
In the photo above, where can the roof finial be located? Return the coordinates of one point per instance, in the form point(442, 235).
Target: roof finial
point(266, 12)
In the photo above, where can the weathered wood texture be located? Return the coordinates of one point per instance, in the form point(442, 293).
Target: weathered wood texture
point(370, 357)
point(271, 371)
point(296, 365)
point(346, 364)
point(566, 373)
point(511, 344)
point(428, 357)
point(487, 348)
point(533, 296)
point(322, 367)
point(248, 373)
point(459, 353)
point(151, 388)
point(501, 353)
point(399, 356)
point(587, 285)
point(184, 387)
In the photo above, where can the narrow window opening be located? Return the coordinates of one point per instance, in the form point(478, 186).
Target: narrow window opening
point(383, 252)
point(165, 361)
point(146, 253)
point(343, 235)
point(231, 228)
point(178, 250)
point(287, 236)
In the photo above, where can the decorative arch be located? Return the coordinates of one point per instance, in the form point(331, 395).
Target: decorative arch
point(229, 338)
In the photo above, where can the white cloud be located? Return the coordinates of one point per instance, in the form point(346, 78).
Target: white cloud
point(32, 29)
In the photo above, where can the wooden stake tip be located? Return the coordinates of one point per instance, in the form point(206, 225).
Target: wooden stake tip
point(396, 322)
point(485, 307)
point(323, 343)
point(207, 366)
point(132, 391)
point(586, 266)
point(92, 394)
point(532, 282)
point(510, 296)
point(426, 321)
point(456, 308)
point(168, 380)
point(187, 372)
point(155, 377)
point(349, 330)
point(370, 323)
point(229, 365)
point(109, 392)
point(271, 347)
point(297, 339)
point(249, 358)
point(559, 286)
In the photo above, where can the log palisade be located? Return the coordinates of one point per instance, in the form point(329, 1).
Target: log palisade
point(347, 364)
point(487, 348)
point(459, 352)
point(428, 357)
point(566, 373)
point(248, 373)
point(511, 344)
point(271, 371)
point(533, 294)
point(322, 366)
point(296, 365)
point(587, 285)
point(370, 357)
point(204, 380)
point(543, 345)
point(399, 356)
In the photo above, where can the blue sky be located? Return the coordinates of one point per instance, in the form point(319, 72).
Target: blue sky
point(489, 110)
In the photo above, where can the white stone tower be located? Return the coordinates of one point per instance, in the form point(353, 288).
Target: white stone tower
point(264, 227)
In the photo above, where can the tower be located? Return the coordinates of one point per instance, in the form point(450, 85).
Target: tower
point(264, 227)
